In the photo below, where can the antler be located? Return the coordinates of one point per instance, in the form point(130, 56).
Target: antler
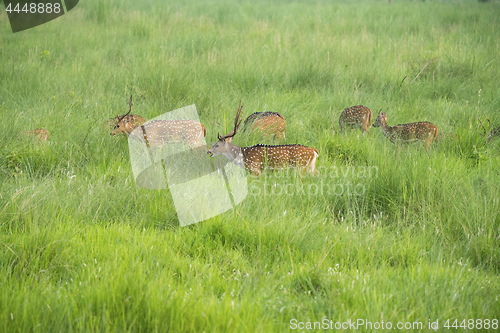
point(384, 111)
point(236, 125)
point(130, 109)
point(484, 128)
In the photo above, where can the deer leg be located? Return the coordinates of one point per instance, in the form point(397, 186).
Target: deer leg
point(312, 165)
point(428, 143)
point(429, 140)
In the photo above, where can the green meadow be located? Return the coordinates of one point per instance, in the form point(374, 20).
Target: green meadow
point(382, 233)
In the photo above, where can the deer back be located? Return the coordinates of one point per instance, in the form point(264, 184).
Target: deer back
point(134, 120)
point(421, 130)
point(257, 157)
point(356, 116)
point(158, 132)
point(267, 123)
point(40, 134)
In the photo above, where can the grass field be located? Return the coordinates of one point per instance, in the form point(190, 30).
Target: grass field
point(381, 234)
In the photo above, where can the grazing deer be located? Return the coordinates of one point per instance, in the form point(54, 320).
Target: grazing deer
point(356, 116)
point(407, 133)
point(159, 132)
point(270, 124)
point(490, 132)
point(256, 158)
point(40, 134)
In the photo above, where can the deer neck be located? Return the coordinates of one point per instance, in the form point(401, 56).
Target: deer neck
point(129, 128)
point(387, 130)
point(234, 154)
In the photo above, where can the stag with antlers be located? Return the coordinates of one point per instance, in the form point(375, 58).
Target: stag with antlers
point(158, 132)
point(258, 157)
point(127, 123)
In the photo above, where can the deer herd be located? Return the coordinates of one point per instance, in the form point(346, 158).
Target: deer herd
point(256, 158)
point(268, 125)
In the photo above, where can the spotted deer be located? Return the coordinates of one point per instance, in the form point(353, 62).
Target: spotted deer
point(358, 116)
point(133, 120)
point(268, 123)
point(158, 132)
point(258, 157)
point(490, 133)
point(407, 133)
point(127, 123)
point(40, 134)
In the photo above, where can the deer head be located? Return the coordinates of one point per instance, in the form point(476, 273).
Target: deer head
point(122, 126)
point(224, 146)
point(381, 119)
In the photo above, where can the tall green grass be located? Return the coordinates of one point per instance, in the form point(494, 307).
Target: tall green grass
point(382, 233)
